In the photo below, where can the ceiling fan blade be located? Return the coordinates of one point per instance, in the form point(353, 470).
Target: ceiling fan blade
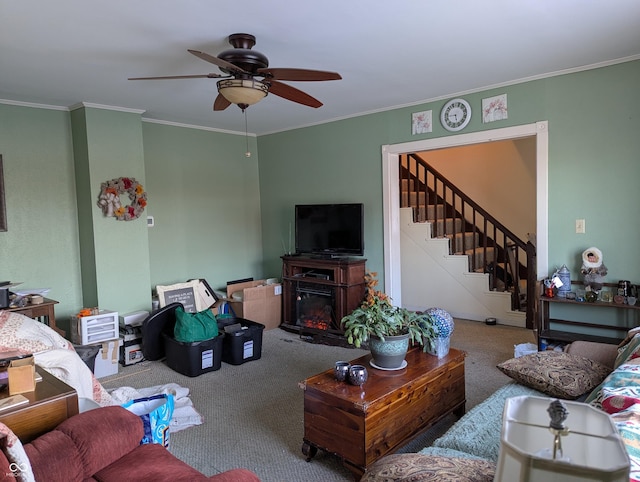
point(299, 74)
point(196, 76)
point(291, 93)
point(221, 103)
point(216, 61)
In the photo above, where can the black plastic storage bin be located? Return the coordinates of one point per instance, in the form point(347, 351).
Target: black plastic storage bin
point(190, 359)
point(193, 359)
point(242, 340)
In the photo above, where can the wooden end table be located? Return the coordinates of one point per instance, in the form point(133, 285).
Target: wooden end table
point(362, 424)
point(51, 403)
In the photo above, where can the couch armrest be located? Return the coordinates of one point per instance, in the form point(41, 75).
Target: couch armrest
point(156, 463)
point(103, 435)
point(88, 442)
point(604, 353)
point(54, 458)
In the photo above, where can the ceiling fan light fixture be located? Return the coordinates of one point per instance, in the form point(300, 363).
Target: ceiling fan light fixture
point(243, 91)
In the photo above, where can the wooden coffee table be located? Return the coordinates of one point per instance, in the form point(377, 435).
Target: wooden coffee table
point(362, 424)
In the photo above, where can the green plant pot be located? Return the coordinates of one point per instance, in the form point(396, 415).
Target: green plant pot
point(389, 353)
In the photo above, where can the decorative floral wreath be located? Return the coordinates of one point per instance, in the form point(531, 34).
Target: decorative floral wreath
point(109, 198)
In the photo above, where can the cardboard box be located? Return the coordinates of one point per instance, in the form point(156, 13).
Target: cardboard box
point(107, 358)
point(205, 293)
point(195, 295)
point(257, 301)
point(22, 375)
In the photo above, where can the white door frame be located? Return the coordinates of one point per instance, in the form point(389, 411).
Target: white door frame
point(391, 193)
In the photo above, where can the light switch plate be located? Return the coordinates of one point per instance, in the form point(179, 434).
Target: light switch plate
point(580, 226)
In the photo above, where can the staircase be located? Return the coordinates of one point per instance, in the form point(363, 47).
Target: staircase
point(501, 265)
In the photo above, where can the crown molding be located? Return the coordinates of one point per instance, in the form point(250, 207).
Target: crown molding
point(81, 105)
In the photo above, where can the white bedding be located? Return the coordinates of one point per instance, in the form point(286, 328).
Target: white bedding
point(57, 356)
point(52, 352)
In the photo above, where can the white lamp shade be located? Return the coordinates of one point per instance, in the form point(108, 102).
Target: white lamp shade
point(242, 91)
point(593, 446)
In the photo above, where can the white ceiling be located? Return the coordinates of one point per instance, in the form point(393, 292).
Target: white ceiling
point(389, 53)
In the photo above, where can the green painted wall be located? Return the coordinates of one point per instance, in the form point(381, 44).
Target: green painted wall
point(111, 147)
point(335, 162)
point(205, 200)
point(202, 191)
point(85, 206)
point(40, 247)
point(594, 165)
point(223, 216)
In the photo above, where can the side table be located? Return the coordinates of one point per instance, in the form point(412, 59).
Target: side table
point(51, 403)
point(43, 312)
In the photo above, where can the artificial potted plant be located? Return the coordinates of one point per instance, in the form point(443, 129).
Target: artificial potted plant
point(386, 329)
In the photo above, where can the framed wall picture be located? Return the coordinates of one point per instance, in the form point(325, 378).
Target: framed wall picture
point(494, 108)
point(421, 122)
point(3, 209)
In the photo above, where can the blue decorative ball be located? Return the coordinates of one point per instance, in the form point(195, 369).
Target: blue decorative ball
point(442, 322)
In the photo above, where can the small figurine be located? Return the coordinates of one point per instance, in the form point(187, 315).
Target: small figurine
point(593, 269)
point(558, 413)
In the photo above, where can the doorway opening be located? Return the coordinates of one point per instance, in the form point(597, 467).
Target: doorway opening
point(391, 194)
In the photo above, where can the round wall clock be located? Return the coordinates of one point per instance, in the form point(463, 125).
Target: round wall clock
point(455, 115)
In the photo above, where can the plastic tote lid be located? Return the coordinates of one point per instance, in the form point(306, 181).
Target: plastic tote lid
point(152, 328)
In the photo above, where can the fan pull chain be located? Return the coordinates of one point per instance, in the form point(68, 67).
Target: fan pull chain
point(246, 134)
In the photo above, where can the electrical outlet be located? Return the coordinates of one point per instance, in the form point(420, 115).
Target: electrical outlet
point(580, 226)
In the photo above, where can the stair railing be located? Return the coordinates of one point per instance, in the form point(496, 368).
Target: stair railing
point(473, 230)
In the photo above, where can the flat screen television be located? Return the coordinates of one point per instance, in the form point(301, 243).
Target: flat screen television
point(330, 230)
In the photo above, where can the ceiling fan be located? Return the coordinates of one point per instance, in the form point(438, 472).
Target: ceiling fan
point(242, 67)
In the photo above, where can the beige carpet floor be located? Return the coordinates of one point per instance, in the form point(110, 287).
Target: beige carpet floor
point(254, 412)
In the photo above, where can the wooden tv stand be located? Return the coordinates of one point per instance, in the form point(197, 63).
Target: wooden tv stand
point(342, 277)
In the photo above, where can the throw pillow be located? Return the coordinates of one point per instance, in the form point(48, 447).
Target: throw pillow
point(556, 374)
point(423, 468)
point(19, 465)
point(446, 452)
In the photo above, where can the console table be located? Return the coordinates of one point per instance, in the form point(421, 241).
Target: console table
point(43, 312)
point(51, 403)
point(596, 321)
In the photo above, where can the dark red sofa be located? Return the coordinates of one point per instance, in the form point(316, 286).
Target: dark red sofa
point(104, 445)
